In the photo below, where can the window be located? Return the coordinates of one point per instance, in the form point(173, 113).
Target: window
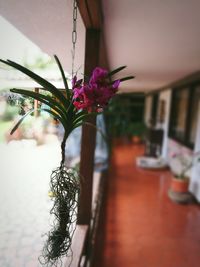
point(179, 113)
point(183, 121)
point(154, 109)
point(194, 114)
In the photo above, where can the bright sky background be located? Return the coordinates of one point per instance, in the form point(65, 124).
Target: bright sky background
point(17, 47)
point(14, 45)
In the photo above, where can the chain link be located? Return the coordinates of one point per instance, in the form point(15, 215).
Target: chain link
point(74, 33)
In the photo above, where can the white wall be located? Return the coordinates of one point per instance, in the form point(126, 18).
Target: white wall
point(170, 146)
point(195, 178)
point(166, 96)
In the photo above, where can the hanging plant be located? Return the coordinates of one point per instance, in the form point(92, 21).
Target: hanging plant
point(71, 109)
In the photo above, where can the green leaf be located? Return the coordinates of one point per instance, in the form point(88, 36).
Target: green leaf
point(44, 99)
point(126, 78)
point(20, 121)
point(72, 111)
point(44, 83)
point(64, 123)
point(63, 76)
point(42, 109)
point(122, 79)
point(79, 118)
point(116, 70)
point(77, 125)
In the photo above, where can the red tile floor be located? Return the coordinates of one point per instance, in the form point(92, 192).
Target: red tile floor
point(144, 228)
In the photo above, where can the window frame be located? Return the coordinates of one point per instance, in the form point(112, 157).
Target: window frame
point(191, 87)
point(154, 107)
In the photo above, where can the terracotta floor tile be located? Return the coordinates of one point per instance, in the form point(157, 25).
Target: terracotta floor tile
point(144, 228)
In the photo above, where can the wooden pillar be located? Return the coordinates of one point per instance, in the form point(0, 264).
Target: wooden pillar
point(36, 112)
point(88, 134)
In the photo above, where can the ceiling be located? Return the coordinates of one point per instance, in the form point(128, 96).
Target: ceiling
point(159, 41)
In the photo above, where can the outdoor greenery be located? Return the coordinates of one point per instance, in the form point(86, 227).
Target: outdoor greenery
point(124, 115)
point(136, 128)
point(40, 62)
point(4, 129)
point(19, 104)
point(9, 113)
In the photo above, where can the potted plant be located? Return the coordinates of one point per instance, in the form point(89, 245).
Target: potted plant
point(180, 180)
point(137, 130)
point(85, 98)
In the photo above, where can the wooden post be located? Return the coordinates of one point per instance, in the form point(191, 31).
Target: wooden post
point(88, 134)
point(36, 112)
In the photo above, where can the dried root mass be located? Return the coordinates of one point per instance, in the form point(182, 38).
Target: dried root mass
point(65, 187)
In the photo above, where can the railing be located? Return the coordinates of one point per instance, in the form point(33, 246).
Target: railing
point(78, 244)
point(83, 243)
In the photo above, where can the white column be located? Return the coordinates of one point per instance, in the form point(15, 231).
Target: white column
point(166, 96)
point(148, 107)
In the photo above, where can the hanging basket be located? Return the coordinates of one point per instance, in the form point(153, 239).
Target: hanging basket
point(71, 110)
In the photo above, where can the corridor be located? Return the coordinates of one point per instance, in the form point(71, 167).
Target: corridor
point(144, 228)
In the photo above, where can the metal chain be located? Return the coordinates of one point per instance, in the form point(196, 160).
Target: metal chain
point(74, 33)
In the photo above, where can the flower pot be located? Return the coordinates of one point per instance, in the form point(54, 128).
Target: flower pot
point(136, 139)
point(179, 185)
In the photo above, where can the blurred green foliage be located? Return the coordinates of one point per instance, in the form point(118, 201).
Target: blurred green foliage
point(124, 116)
